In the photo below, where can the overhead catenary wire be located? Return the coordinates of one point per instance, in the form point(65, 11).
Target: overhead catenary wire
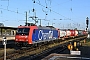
point(39, 1)
point(1, 10)
point(17, 12)
point(50, 6)
point(46, 3)
point(12, 11)
point(53, 11)
point(8, 4)
point(71, 10)
point(40, 5)
point(62, 3)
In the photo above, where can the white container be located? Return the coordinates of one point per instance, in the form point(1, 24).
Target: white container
point(62, 33)
point(68, 33)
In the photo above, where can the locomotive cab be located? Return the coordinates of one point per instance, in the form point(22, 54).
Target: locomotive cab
point(27, 35)
point(24, 35)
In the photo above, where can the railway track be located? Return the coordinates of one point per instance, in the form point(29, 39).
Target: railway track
point(45, 53)
point(10, 44)
point(37, 51)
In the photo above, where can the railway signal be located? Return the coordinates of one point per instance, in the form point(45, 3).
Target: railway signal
point(87, 23)
point(4, 43)
point(70, 47)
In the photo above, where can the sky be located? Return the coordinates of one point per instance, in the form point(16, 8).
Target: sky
point(63, 14)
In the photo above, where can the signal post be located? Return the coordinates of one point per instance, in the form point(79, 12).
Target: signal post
point(4, 43)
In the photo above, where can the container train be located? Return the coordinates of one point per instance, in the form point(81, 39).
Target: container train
point(27, 35)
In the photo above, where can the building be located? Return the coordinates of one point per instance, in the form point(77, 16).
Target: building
point(1, 25)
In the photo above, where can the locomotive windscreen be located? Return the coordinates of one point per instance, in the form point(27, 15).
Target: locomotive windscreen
point(22, 31)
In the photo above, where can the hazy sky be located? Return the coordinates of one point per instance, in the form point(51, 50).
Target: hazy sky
point(72, 12)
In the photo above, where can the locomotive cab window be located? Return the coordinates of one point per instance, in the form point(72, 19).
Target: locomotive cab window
point(24, 31)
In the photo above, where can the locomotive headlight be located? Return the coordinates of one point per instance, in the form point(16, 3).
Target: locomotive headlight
point(16, 39)
point(26, 36)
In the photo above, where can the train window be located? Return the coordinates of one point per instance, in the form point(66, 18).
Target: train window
point(19, 30)
point(26, 30)
point(34, 31)
point(23, 31)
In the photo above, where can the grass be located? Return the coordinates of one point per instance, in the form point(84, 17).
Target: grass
point(87, 43)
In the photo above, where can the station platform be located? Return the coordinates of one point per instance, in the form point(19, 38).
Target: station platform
point(55, 56)
point(7, 38)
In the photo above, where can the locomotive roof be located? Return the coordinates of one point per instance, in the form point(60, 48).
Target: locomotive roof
point(39, 27)
point(45, 27)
